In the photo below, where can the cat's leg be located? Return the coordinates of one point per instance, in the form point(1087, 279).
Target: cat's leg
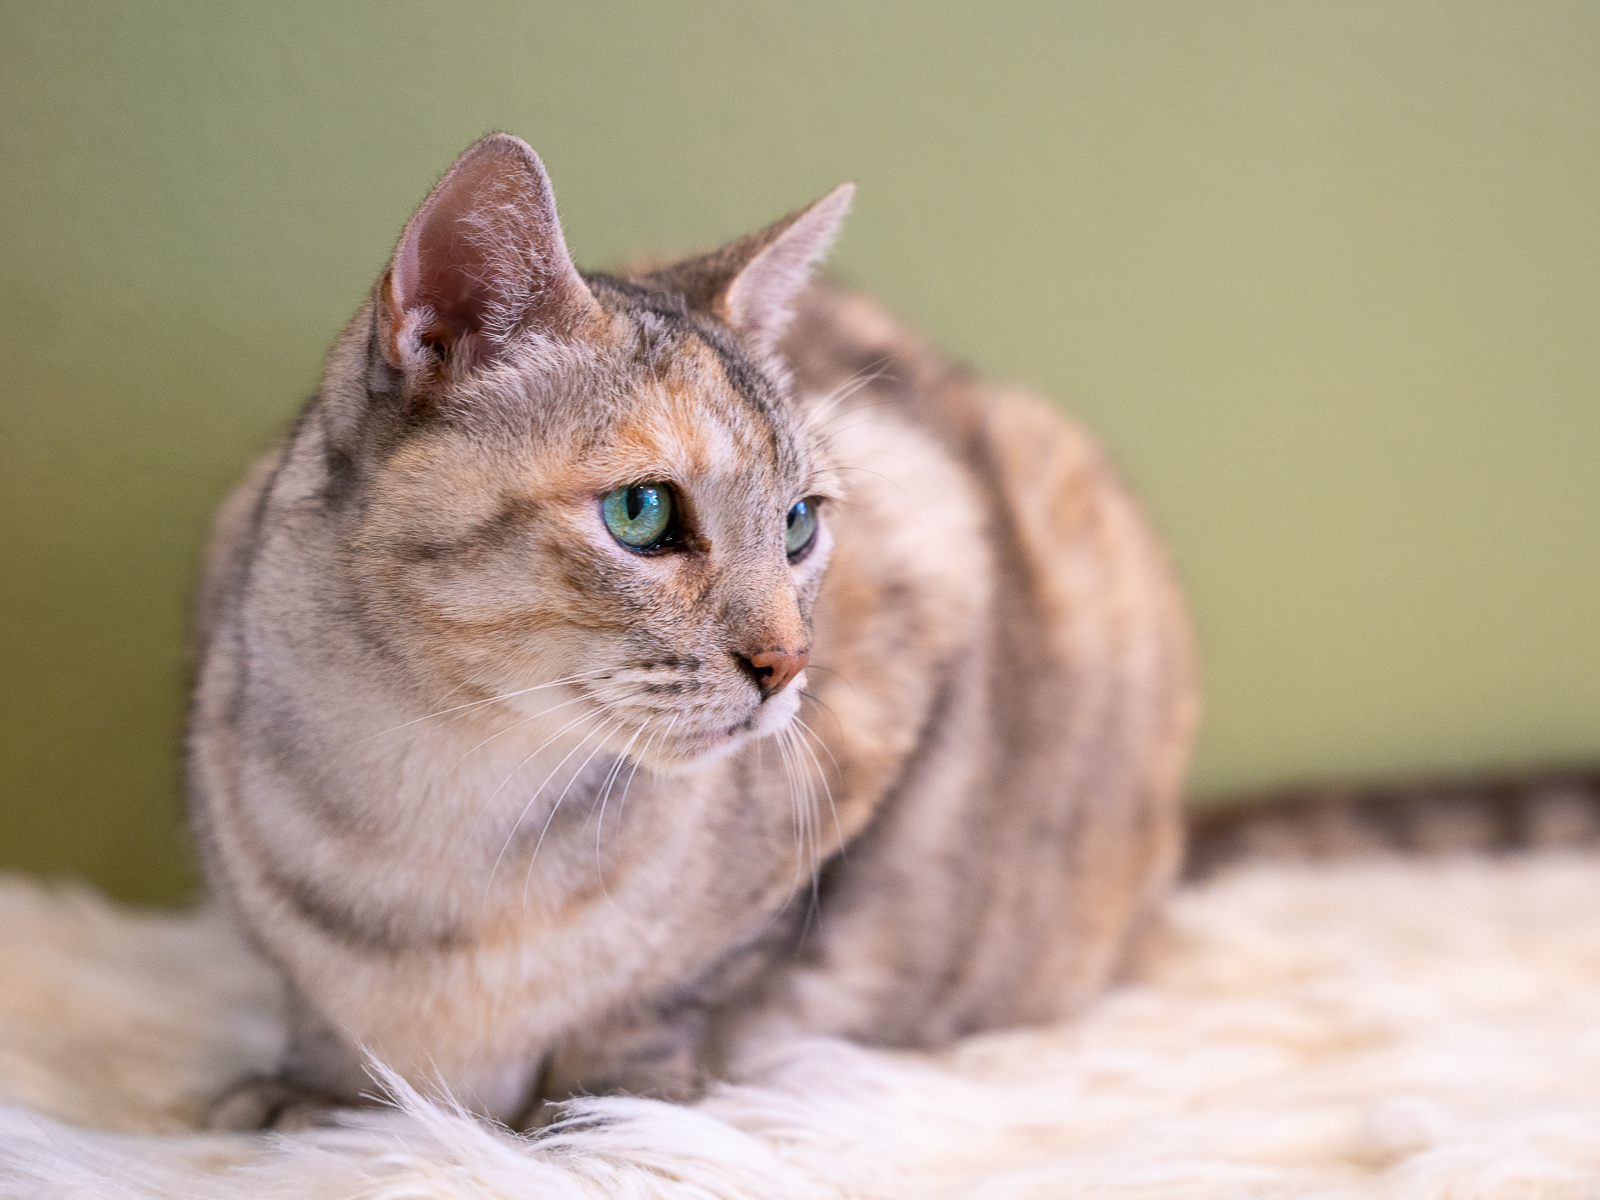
point(657, 1055)
point(319, 1073)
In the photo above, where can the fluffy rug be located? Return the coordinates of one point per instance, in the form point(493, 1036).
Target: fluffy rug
point(1385, 1028)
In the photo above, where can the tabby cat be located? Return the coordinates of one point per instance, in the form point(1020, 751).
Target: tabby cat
point(610, 673)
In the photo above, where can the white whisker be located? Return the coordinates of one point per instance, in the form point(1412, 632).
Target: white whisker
point(807, 832)
point(818, 414)
point(796, 809)
point(605, 794)
point(605, 732)
point(539, 687)
point(822, 775)
point(517, 724)
point(866, 471)
point(622, 802)
point(517, 824)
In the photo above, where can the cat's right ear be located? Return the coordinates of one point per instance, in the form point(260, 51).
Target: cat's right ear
point(482, 261)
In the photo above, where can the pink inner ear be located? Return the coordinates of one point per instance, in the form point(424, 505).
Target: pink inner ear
point(761, 298)
point(453, 275)
point(485, 256)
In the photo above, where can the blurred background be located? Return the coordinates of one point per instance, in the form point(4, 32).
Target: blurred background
point(1325, 277)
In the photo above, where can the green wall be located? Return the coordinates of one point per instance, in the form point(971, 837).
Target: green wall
point(1325, 276)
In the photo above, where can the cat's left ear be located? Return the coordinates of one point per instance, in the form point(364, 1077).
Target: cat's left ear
point(751, 284)
point(482, 261)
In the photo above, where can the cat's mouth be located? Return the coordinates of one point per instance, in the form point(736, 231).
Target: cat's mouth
point(687, 747)
point(712, 739)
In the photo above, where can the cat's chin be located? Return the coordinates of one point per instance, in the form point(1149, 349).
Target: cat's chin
point(694, 752)
point(698, 748)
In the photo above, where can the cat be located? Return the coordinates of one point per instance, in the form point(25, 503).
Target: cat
point(609, 674)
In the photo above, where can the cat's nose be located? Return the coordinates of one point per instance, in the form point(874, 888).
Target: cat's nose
point(774, 667)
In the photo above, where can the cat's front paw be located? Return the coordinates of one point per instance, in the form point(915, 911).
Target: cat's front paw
point(269, 1102)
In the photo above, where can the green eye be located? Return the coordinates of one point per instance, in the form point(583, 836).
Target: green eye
point(802, 527)
point(639, 516)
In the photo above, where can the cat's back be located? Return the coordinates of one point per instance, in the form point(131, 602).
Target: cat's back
point(1069, 538)
point(1049, 480)
point(1068, 714)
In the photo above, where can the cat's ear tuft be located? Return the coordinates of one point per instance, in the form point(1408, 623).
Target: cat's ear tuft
point(752, 283)
point(482, 260)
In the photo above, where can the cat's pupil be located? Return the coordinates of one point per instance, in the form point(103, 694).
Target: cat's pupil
point(635, 503)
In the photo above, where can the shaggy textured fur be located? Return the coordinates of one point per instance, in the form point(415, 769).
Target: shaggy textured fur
point(1387, 1028)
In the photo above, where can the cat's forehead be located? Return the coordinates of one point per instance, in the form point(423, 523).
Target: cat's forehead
point(652, 394)
point(691, 404)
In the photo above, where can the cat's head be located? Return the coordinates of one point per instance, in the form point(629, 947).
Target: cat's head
point(545, 476)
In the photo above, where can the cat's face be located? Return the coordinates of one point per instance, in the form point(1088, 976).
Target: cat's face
point(644, 517)
point(595, 502)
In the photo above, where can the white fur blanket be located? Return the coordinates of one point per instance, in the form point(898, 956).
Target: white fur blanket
point(1394, 1029)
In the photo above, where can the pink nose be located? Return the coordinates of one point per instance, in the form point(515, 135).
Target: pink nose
point(774, 668)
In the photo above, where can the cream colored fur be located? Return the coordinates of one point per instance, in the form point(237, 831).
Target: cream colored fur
point(1388, 1029)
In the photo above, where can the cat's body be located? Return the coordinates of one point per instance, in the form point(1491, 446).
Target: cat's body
point(522, 810)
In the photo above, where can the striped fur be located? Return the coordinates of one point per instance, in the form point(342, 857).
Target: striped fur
point(1531, 810)
point(500, 798)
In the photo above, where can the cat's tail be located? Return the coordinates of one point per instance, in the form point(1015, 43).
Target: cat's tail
point(1426, 816)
